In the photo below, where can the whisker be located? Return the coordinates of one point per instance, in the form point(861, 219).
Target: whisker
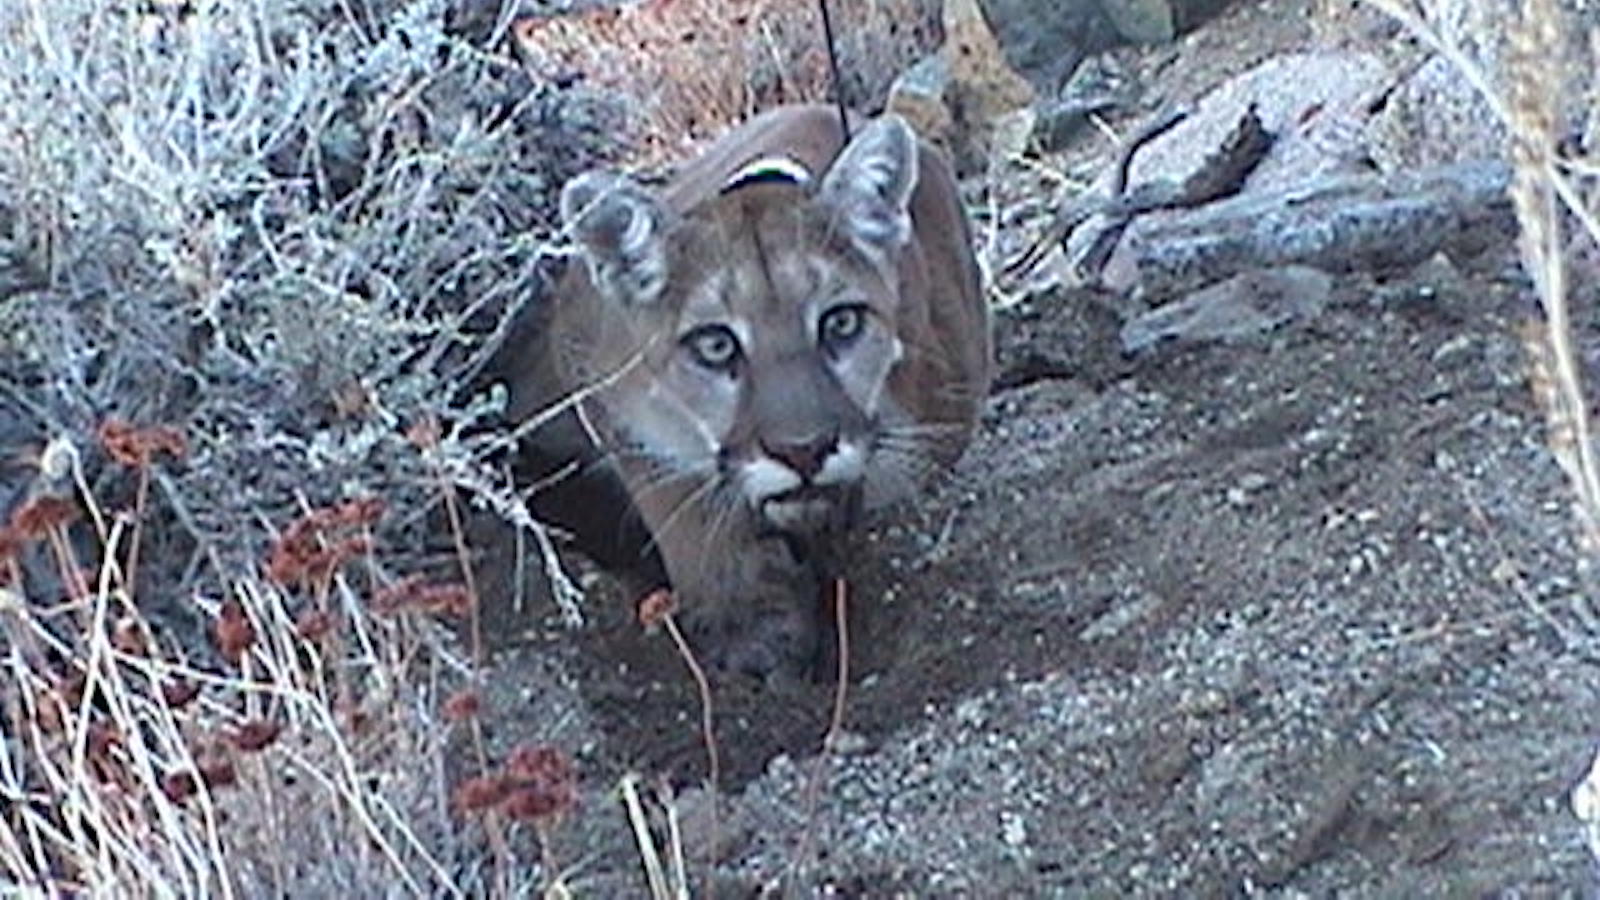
point(935, 429)
point(659, 534)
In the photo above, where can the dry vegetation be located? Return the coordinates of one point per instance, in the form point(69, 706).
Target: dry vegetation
point(285, 239)
point(694, 67)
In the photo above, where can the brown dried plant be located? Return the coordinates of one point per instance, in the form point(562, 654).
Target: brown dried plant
point(1543, 195)
point(137, 449)
point(694, 67)
point(656, 610)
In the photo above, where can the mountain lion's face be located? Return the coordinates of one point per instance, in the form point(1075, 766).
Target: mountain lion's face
point(746, 348)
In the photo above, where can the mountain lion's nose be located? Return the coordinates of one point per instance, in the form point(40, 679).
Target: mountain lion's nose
point(804, 457)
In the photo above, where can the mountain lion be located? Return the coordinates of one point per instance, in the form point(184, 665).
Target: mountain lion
point(787, 335)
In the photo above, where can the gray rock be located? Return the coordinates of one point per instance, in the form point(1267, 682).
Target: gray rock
point(1247, 304)
point(1142, 21)
point(1099, 86)
point(1434, 117)
point(1315, 104)
point(1045, 42)
point(1335, 223)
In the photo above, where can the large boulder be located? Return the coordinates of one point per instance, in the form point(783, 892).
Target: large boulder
point(1045, 42)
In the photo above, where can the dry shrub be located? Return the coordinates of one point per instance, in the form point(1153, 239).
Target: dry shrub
point(1546, 198)
point(129, 764)
point(276, 235)
point(696, 66)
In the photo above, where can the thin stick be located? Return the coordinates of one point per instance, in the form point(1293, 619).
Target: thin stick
point(708, 735)
point(642, 839)
point(833, 65)
point(835, 725)
point(464, 558)
point(140, 498)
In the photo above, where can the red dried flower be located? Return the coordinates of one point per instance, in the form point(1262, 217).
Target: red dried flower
point(129, 637)
point(352, 547)
point(539, 763)
point(284, 565)
point(446, 599)
point(213, 773)
point(217, 772)
point(122, 443)
point(462, 705)
point(396, 597)
point(179, 786)
point(255, 734)
point(476, 794)
point(353, 513)
point(313, 624)
point(545, 783)
point(70, 686)
point(233, 632)
point(294, 551)
point(168, 440)
point(412, 594)
point(102, 739)
point(35, 519)
point(54, 705)
point(310, 549)
point(179, 692)
point(48, 712)
point(136, 447)
point(537, 802)
point(656, 606)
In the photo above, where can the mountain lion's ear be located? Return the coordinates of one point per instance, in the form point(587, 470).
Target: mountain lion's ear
point(621, 229)
point(870, 185)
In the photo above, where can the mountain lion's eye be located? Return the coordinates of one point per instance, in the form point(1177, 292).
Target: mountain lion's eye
point(841, 325)
point(712, 346)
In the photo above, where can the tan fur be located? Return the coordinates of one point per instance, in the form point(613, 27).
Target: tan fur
point(862, 356)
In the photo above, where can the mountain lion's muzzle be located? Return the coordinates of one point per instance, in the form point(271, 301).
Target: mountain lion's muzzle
point(804, 447)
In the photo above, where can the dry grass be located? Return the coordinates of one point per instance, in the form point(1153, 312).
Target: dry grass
point(128, 764)
point(694, 67)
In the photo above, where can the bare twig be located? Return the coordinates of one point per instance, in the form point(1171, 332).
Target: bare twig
point(830, 739)
point(708, 736)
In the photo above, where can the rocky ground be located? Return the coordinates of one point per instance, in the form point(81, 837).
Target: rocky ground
point(1297, 612)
